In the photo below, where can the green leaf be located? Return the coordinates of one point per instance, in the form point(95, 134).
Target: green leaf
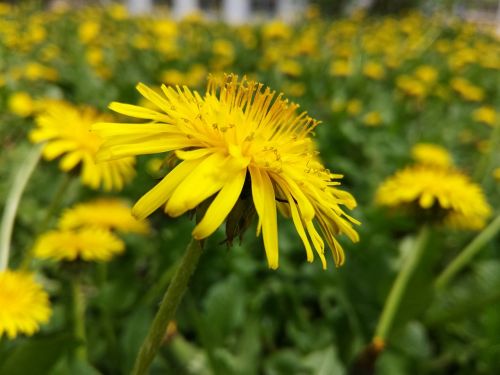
point(224, 307)
point(325, 362)
point(37, 355)
point(467, 296)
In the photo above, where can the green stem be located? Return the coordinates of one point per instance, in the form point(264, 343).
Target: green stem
point(398, 289)
point(12, 203)
point(168, 307)
point(49, 213)
point(78, 309)
point(468, 253)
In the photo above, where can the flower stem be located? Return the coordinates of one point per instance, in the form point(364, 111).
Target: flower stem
point(12, 202)
point(78, 310)
point(167, 309)
point(468, 253)
point(398, 289)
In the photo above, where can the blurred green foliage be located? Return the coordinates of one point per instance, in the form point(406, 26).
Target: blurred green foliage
point(239, 316)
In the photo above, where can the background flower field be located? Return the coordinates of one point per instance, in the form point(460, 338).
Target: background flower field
point(379, 85)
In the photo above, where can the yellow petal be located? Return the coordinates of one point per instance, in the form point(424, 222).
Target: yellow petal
point(70, 160)
point(162, 191)
point(426, 200)
point(220, 207)
point(152, 96)
point(138, 111)
point(306, 208)
point(144, 146)
point(56, 148)
point(193, 154)
point(203, 181)
point(265, 205)
point(299, 227)
point(317, 241)
point(112, 129)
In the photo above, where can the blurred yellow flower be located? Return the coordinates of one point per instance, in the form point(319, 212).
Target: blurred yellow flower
point(223, 48)
point(411, 86)
point(448, 193)
point(173, 77)
point(496, 174)
point(88, 244)
point(21, 104)
point(94, 56)
point(467, 90)
point(432, 155)
point(353, 107)
point(290, 68)
point(340, 68)
point(276, 30)
point(426, 73)
point(66, 131)
point(238, 140)
point(35, 72)
point(296, 89)
point(105, 213)
point(25, 305)
point(373, 70)
point(118, 11)
point(88, 31)
point(486, 115)
point(372, 118)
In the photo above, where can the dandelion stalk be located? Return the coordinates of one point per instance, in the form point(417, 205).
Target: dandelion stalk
point(468, 253)
point(167, 309)
point(78, 310)
point(12, 203)
point(398, 289)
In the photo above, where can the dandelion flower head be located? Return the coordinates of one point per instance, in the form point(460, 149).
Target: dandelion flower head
point(446, 193)
point(106, 213)
point(431, 154)
point(66, 131)
point(238, 140)
point(88, 244)
point(24, 304)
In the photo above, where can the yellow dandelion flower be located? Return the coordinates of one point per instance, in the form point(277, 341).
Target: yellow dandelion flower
point(373, 70)
point(496, 174)
point(290, 67)
point(88, 31)
point(431, 154)
point(173, 77)
point(276, 30)
point(353, 107)
point(486, 115)
point(235, 142)
point(110, 213)
point(66, 129)
point(411, 86)
point(88, 244)
point(294, 88)
point(372, 118)
point(35, 72)
point(24, 304)
point(21, 104)
point(467, 90)
point(340, 68)
point(426, 73)
point(448, 193)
